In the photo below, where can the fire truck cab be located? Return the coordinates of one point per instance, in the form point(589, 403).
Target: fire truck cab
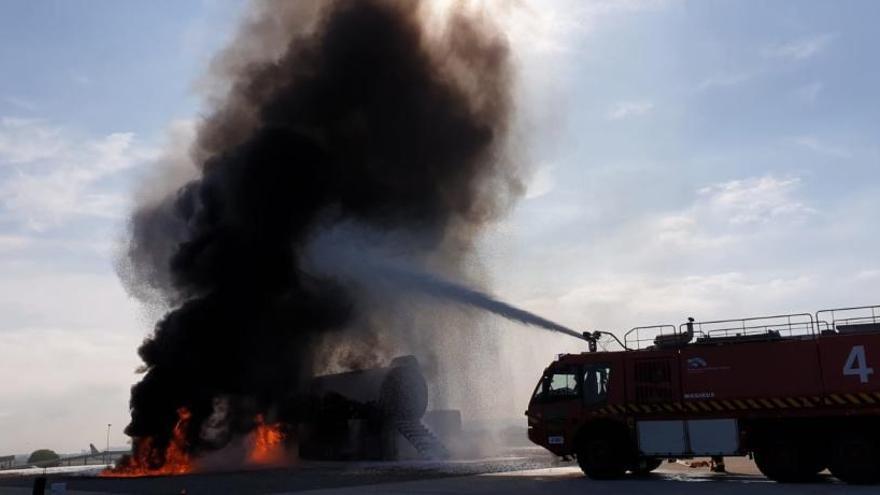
point(796, 392)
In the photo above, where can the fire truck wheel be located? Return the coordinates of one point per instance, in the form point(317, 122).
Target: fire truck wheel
point(855, 459)
point(602, 458)
point(788, 461)
point(645, 465)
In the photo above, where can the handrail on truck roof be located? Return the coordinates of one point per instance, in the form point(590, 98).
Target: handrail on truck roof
point(778, 326)
point(773, 326)
point(635, 342)
point(856, 319)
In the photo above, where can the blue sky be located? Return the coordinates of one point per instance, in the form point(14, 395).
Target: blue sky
point(713, 158)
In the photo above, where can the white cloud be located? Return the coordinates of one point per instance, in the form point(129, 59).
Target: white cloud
point(626, 109)
point(801, 49)
point(69, 341)
point(873, 274)
point(813, 143)
point(716, 256)
point(553, 27)
point(723, 80)
point(679, 296)
point(686, 232)
point(80, 78)
point(542, 182)
point(21, 103)
point(54, 175)
point(756, 200)
point(27, 141)
point(13, 243)
point(809, 92)
point(723, 217)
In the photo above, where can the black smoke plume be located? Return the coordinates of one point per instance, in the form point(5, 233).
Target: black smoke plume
point(334, 111)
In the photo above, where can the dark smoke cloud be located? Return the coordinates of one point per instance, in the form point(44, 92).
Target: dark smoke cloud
point(333, 112)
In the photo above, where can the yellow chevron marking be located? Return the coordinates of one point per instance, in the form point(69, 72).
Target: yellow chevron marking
point(704, 406)
point(648, 408)
point(635, 408)
point(717, 405)
point(669, 407)
point(679, 406)
point(779, 403)
point(877, 395)
point(753, 404)
point(692, 406)
point(852, 398)
point(867, 398)
point(740, 404)
point(766, 403)
point(793, 402)
point(728, 405)
point(807, 402)
point(838, 399)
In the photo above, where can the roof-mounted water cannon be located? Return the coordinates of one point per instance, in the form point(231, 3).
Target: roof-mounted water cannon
point(593, 338)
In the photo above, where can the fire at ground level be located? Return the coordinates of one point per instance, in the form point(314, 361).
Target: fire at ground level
point(524, 471)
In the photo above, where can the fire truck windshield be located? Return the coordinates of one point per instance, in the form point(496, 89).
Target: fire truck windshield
point(558, 385)
point(589, 382)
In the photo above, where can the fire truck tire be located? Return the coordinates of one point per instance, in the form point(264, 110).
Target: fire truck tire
point(788, 461)
point(645, 465)
point(855, 459)
point(602, 458)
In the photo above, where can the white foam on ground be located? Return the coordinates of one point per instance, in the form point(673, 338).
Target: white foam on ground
point(88, 470)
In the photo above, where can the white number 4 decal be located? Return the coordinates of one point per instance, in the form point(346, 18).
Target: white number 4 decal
point(857, 364)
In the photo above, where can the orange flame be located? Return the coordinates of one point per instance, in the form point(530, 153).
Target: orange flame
point(143, 461)
point(267, 443)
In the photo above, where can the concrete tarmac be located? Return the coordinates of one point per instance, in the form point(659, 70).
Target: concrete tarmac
point(512, 475)
point(570, 481)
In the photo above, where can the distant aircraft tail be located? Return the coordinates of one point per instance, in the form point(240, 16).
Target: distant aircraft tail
point(94, 449)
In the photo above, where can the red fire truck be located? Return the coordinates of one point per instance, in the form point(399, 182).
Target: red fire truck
point(798, 393)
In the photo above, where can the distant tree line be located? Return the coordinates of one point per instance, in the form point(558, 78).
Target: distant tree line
point(44, 455)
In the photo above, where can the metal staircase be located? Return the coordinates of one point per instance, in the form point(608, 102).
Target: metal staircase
point(425, 442)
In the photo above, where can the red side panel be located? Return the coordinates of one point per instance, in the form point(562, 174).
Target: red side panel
point(850, 363)
point(764, 369)
point(653, 377)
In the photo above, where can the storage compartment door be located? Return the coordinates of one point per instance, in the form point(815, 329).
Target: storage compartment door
point(662, 438)
point(713, 436)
